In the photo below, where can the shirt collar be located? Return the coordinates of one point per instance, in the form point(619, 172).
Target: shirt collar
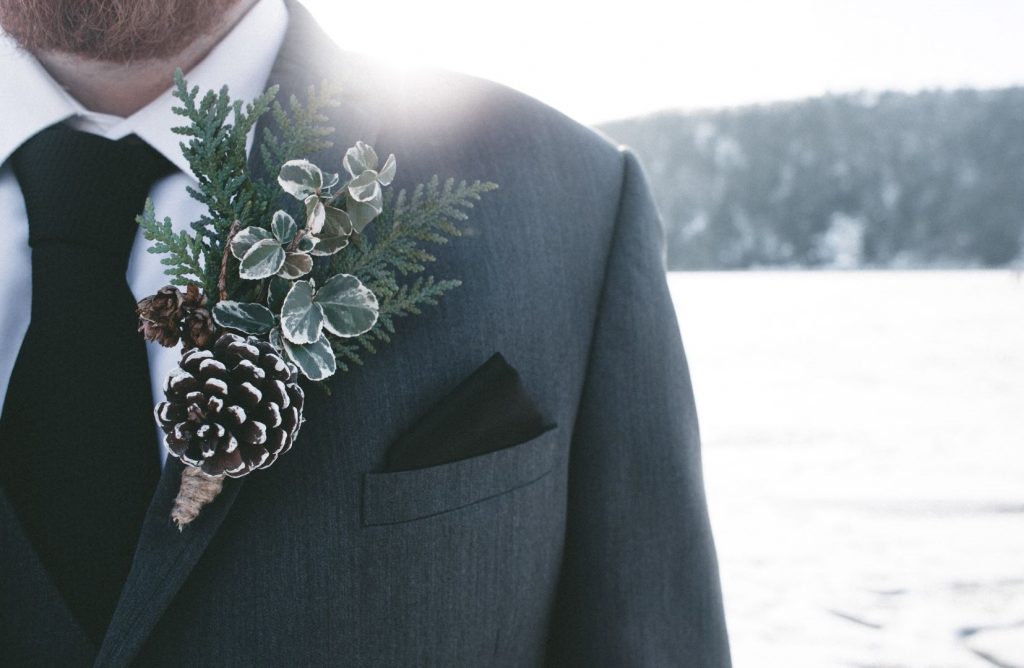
point(30, 99)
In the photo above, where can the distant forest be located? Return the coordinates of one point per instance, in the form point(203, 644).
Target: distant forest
point(933, 179)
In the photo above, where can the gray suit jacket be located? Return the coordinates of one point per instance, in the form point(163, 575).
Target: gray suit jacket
point(588, 545)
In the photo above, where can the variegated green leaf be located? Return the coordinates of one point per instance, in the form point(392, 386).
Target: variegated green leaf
point(349, 307)
point(334, 236)
point(330, 180)
point(329, 245)
point(306, 243)
point(283, 226)
point(263, 259)
point(275, 339)
point(296, 265)
point(361, 213)
point(300, 178)
point(245, 317)
point(337, 221)
point(315, 214)
point(245, 239)
point(364, 188)
point(359, 158)
point(314, 360)
point(301, 318)
point(387, 172)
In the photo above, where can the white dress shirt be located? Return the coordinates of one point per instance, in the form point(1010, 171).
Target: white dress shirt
point(30, 100)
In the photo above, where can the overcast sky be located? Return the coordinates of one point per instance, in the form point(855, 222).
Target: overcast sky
point(598, 61)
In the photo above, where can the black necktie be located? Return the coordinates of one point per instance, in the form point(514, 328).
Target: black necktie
point(78, 453)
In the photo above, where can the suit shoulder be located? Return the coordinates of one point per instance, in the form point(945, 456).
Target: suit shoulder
point(556, 176)
point(433, 105)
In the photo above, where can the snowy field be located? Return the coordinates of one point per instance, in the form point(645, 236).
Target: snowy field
point(864, 458)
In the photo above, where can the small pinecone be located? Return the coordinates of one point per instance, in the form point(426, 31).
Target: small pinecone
point(233, 409)
point(192, 297)
point(160, 316)
point(198, 328)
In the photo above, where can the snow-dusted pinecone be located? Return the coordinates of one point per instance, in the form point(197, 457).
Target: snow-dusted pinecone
point(233, 409)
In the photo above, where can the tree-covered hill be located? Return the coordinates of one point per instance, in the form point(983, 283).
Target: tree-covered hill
point(931, 179)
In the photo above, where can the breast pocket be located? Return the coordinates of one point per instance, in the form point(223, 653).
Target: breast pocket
point(403, 496)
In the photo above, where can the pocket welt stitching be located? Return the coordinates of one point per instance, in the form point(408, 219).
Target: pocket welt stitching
point(402, 496)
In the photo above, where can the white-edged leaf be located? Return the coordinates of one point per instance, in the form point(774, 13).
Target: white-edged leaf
point(314, 360)
point(315, 214)
point(245, 317)
point(300, 178)
point(283, 226)
point(245, 238)
point(275, 339)
point(361, 213)
point(334, 236)
point(330, 180)
point(306, 243)
point(296, 265)
point(349, 307)
point(387, 172)
point(262, 260)
point(329, 246)
point(359, 158)
point(365, 187)
point(301, 319)
point(337, 221)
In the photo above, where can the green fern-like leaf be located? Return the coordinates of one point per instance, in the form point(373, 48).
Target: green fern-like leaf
point(183, 252)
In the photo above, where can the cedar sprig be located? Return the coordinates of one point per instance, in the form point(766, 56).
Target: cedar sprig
point(392, 247)
point(216, 153)
point(394, 243)
point(215, 148)
point(183, 252)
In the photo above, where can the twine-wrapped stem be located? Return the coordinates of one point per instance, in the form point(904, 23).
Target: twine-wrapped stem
point(197, 489)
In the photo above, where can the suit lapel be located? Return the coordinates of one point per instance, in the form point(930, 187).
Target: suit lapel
point(33, 613)
point(163, 560)
point(165, 557)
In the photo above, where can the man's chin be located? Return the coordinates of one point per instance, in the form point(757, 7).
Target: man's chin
point(114, 31)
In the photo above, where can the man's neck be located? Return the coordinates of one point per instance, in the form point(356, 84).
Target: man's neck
point(121, 89)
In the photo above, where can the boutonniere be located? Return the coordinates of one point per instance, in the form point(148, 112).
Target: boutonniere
point(283, 282)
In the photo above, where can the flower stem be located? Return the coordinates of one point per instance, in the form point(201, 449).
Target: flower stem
point(197, 490)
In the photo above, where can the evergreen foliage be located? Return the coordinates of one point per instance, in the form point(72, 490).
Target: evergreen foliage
point(392, 246)
point(216, 133)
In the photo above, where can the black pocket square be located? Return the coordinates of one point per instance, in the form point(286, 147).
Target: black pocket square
point(487, 411)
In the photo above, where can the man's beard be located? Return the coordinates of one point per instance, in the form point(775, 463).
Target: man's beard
point(118, 31)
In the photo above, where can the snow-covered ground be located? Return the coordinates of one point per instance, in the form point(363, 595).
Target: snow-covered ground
point(864, 457)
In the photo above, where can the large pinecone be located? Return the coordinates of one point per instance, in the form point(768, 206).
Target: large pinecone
point(233, 409)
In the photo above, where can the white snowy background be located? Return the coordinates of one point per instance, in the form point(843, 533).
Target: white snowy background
point(864, 459)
